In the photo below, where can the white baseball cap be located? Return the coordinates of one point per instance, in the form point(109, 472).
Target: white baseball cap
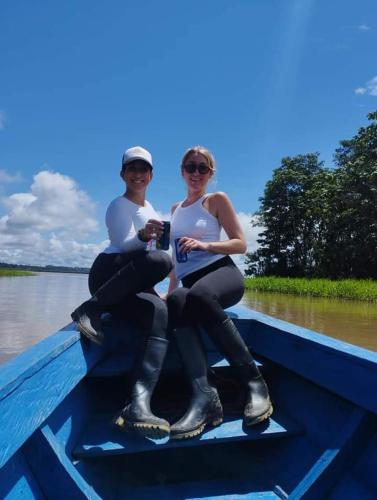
point(137, 153)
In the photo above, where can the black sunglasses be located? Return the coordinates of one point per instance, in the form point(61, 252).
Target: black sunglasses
point(140, 169)
point(190, 168)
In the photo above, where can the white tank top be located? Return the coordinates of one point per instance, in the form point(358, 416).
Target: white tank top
point(196, 222)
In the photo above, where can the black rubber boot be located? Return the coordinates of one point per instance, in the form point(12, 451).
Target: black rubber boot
point(228, 340)
point(149, 270)
point(88, 320)
point(205, 406)
point(137, 414)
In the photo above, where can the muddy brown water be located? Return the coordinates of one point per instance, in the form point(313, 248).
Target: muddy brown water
point(352, 321)
point(32, 307)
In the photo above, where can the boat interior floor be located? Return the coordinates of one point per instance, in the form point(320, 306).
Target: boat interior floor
point(278, 458)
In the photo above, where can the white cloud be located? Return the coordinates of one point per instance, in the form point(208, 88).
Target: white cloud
point(2, 120)
point(6, 178)
point(370, 88)
point(53, 203)
point(363, 27)
point(251, 232)
point(49, 224)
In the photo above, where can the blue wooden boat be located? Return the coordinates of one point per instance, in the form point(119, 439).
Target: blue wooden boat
point(57, 441)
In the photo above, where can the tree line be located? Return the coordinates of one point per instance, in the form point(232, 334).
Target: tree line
point(321, 222)
point(48, 268)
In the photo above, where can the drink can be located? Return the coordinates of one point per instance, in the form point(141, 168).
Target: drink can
point(181, 257)
point(164, 239)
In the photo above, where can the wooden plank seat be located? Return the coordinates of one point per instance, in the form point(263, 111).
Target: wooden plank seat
point(210, 490)
point(101, 438)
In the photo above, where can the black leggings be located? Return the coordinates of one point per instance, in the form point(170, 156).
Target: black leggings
point(205, 294)
point(123, 284)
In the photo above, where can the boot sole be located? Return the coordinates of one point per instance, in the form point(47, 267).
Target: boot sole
point(152, 431)
point(261, 418)
point(97, 339)
point(197, 431)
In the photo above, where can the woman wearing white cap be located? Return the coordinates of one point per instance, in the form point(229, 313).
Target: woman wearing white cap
point(211, 282)
point(122, 278)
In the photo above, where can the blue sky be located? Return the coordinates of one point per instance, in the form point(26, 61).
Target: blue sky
point(252, 80)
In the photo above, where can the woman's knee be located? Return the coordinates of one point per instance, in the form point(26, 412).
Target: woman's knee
point(197, 299)
point(158, 261)
point(177, 299)
point(176, 302)
point(203, 305)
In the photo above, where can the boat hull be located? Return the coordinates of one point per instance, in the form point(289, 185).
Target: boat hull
point(59, 398)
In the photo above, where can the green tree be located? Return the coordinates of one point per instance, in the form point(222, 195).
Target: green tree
point(290, 213)
point(352, 241)
point(320, 222)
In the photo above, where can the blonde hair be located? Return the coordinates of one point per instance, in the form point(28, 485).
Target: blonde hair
point(203, 151)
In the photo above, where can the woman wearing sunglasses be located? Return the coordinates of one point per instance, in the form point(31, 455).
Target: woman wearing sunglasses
point(121, 280)
point(211, 282)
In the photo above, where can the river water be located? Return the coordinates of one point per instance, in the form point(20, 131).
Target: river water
point(32, 307)
point(352, 321)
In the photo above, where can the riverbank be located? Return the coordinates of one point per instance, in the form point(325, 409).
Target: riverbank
point(14, 272)
point(365, 290)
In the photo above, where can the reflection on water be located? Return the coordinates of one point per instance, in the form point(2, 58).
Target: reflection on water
point(32, 307)
point(352, 321)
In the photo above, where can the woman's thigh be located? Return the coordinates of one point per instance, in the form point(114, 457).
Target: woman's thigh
point(104, 267)
point(207, 298)
point(224, 285)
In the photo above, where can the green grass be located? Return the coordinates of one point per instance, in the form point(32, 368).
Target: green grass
point(341, 289)
point(5, 271)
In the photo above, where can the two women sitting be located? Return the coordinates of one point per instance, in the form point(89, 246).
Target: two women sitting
point(123, 276)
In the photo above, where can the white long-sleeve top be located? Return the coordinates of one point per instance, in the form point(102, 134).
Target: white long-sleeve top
point(124, 218)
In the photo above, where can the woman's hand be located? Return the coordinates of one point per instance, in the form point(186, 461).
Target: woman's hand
point(188, 244)
point(152, 230)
